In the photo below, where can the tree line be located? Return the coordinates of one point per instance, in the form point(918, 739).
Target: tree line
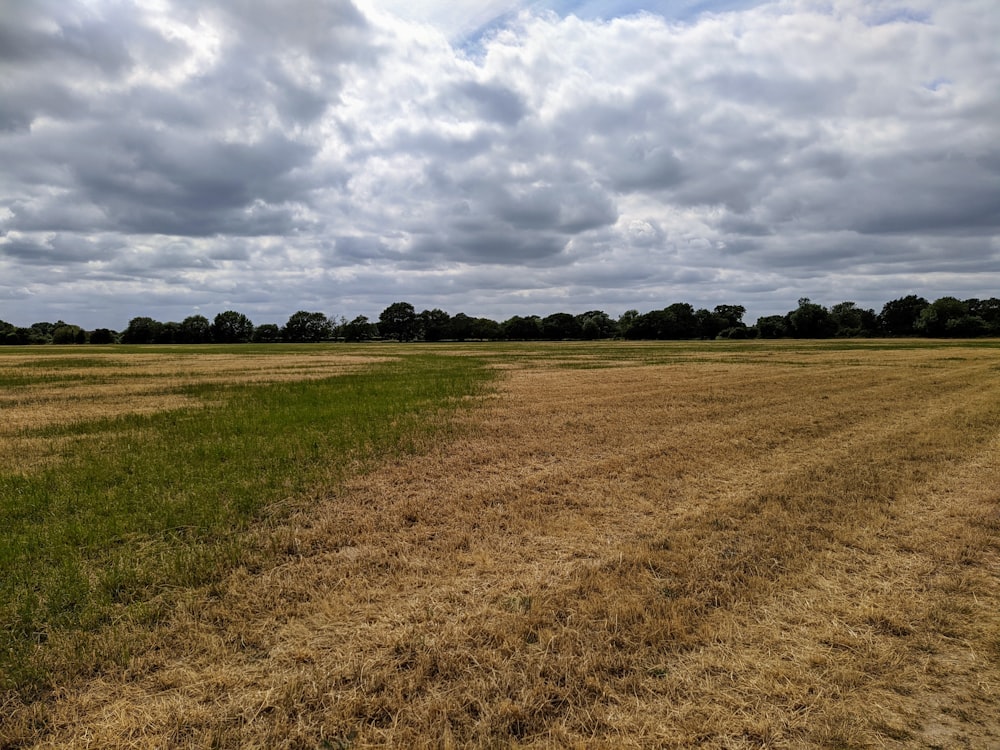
point(907, 316)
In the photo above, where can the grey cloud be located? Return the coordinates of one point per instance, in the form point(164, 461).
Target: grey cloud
point(174, 257)
point(149, 182)
point(363, 249)
point(734, 224)
point(564, 207)
point(313, 155)
point(63, 34)
point(203, 158)
point(435, 144)
point(324, 29)
point(491, 242)
point(36, 253)
point(22, 103)
point(643, 168)
point(287, 53)
point(792, 96)
point(492, 102)
point(59, 249)
point(934, 194)
point(912, 192)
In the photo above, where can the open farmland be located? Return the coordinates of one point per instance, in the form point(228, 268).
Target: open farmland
point(718, 545)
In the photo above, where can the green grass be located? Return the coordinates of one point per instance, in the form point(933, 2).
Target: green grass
point(145, 505)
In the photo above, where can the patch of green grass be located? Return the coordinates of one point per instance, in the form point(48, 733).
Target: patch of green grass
point(155, 502)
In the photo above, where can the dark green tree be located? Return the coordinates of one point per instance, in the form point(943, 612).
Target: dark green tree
point(398, 321)
point(724, 318)
point(899, 316)
point(39, 333)
point(772, 327)
point(308, 327)
point(737, 333)
point(436, 325)
point(103, 336)
point(626, 321)
point(520, 328)
point(195, 329)
point(486, 329)
point(655, 324)
point(732, 314)
point(359, 329)
point(68, 334)
point(559, 326)
point(853, 321)
point(987, 310)
point(141, 330)
point(169, 333)
point(680, 322)
point(597, 324)
point(811, 321)
point(461, 326)
point(231, 327)
point(710, 325)
point(8, 333)
point(940, 317)
point(268, 333)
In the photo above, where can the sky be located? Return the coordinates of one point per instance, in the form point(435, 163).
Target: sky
point(168, 158)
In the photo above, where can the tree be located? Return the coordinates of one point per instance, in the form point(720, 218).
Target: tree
point(398, 321)
point(941, 317)
point(169, 333)
point(8, 333)
point(37, 333)
point(626, 321)
point(231, 327)
point(737, 333)
point(772, 326)
point(899, 316)
point(461, 326)
point(651, 325)
point(436, 324)
point(522, 329)
point(967, 326)
point(141, 330)
point(852, 320)
point(68, 334)
point(308, 327)
point(486, 329)
point(987, 310)
point(268, 333)
point(710, 325)
point(597, 324)
point(195, 329)
point(560, 326)
point(680, 321)
point(732, 314)
point(103, 336)
point(811, 321)
point(359, 329)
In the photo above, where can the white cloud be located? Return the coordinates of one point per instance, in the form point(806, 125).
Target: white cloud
point(355, 155)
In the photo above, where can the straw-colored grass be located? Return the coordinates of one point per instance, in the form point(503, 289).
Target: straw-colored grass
point(774, 547)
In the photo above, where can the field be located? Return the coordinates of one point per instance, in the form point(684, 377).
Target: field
point(717, 545)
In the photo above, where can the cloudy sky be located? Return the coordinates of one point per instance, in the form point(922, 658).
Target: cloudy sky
point(500, 157)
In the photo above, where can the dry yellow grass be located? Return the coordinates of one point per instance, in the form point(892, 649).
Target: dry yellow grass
point(728, 552)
